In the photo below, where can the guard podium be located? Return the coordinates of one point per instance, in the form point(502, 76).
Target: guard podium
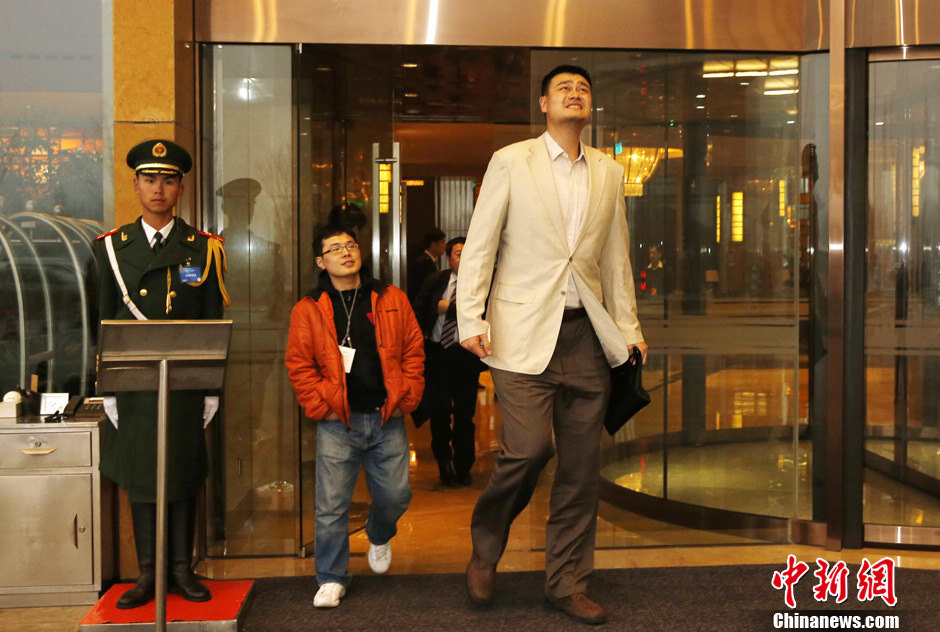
point(162, 356)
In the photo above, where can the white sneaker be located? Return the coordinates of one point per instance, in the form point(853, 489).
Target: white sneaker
point(329, 595)
point(380, 557)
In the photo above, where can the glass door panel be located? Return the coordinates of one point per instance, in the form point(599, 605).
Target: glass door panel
point(253, 496)
point(344, 108)
point(902, 317)
point(434, 114)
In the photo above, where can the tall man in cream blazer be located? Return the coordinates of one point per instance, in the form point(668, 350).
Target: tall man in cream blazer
point(545, 297)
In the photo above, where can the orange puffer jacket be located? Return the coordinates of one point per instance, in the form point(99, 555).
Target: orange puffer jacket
point(315, 365)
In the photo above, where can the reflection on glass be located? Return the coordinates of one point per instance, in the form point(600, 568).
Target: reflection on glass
point(740, 459)
point(255, 500)
point(902, 442)
point(51, 195)
point(712, 155)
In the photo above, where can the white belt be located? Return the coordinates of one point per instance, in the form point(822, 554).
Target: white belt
point(120, 280)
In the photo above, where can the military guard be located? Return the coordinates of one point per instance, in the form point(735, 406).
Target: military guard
point(159, 267)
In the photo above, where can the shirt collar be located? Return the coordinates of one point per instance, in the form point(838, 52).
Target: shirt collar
point(555, 150)
point(150, 231)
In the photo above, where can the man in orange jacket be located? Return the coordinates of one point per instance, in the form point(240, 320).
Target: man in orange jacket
point(355, 357)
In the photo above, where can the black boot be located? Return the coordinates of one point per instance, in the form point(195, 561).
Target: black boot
point(144, 519)
point(181, 526)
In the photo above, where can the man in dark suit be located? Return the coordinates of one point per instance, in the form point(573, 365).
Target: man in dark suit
point(425, 264)
point(451, 373)
point(158, 267)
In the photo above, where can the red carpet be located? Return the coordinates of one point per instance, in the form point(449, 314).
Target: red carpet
point(227, 599)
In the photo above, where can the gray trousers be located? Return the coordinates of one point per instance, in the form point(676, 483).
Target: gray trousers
point(569, 397)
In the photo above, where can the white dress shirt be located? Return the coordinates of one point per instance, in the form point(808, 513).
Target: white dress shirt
point(151, 232)
point(572, 183)
point(448, 295)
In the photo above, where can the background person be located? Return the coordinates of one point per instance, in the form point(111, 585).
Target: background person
point(656, 279)
point(426, 263)
point(451, 372)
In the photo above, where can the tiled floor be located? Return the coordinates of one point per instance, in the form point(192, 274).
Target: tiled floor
point(434, 537)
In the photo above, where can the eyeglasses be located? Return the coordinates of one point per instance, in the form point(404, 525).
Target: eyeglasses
point(338, 249)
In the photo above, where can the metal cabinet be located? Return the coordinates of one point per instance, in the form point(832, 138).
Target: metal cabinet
point(51, 522)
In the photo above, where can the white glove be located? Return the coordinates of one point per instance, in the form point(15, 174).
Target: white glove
point(110, 409)
point(209, 409)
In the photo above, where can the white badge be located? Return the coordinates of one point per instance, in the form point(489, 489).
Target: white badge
point(348, 354)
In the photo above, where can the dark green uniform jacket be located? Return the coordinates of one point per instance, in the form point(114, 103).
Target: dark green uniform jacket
point(128, 453)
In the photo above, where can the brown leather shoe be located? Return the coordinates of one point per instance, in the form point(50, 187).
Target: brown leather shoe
point(481, 580)
point(579, 608)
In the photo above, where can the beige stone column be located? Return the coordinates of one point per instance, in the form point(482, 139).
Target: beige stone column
point(154, 90)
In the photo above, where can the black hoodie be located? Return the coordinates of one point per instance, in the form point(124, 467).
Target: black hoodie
point(365, 384)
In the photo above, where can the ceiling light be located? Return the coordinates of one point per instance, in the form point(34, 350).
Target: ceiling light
point(699, 96)
point(750, 64)
point(639, 163)
point(784, 63)
point(411, 95)
point(717, 66)
point(409, 64)
point(771, 93)
point(781, 83)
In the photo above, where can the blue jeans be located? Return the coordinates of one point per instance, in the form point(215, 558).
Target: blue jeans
point(382, 451)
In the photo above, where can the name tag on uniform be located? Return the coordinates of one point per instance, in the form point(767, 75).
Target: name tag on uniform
point(190, 274)
point(348, 354)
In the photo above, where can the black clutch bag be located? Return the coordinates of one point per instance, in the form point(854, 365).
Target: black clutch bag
point(627, 395)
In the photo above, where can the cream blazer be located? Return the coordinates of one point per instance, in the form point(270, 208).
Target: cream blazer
point(513, 274)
